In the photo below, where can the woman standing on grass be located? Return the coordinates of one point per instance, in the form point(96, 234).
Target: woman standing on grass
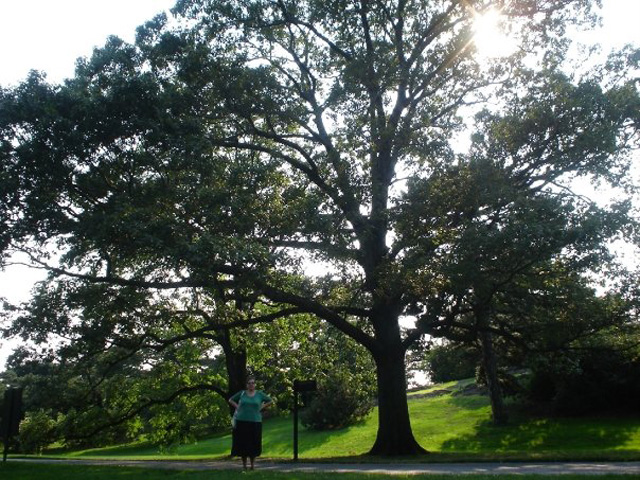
point(247, 430)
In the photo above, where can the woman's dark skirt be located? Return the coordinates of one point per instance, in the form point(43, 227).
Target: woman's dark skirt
point(247, 439)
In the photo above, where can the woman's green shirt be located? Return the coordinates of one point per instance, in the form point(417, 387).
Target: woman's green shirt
point(249, 406)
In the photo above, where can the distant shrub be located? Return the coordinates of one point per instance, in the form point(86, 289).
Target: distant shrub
point(448, 362)
point(37, 431)
point(588, 381)
point(342, 399)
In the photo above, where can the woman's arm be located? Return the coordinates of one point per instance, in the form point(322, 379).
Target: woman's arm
point(234, 401)
point(266, 402)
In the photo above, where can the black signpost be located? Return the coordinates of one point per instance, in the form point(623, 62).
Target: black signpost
point(11, 416)
point(299, 386)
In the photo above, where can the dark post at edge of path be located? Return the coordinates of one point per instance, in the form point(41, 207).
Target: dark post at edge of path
point(299, 386)
point(11, 415)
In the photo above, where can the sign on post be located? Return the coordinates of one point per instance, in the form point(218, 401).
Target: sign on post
point(305, 385)
point(299, 386)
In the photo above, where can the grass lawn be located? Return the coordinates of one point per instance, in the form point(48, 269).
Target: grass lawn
point(17, 471)
point(451, 427)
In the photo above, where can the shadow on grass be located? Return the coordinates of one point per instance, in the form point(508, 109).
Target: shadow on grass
point(315, 443)
point(544, 435)
point(469, 402)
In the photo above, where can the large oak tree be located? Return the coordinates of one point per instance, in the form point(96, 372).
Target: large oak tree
point(240, 141)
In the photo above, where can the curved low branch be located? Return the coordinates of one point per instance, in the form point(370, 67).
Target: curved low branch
point(212, 326)
point(135, 410)
point(160, 285)
point(301, 304)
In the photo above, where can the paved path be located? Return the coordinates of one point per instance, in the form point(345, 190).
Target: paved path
point(551, 468)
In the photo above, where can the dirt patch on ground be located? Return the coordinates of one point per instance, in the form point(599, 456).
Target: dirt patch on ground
point(434, 393)
point(471, 389)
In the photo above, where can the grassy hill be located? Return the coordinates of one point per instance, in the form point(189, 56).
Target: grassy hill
point(449, 424)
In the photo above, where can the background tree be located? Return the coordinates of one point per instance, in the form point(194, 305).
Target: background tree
point(451, 361)
point(36, 432)
point(496, 230)
point(303, 347)
point(223, 151)
point(342, 399)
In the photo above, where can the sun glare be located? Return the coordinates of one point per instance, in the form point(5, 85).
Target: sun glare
point(490, 37)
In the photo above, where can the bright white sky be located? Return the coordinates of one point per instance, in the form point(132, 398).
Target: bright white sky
point(49, 35)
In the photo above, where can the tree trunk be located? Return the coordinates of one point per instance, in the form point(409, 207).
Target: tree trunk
point(237, 370)
point(236, 363)
point(489, 362)
point(395, 436)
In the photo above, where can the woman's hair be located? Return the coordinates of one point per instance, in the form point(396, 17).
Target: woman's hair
point(250, 378)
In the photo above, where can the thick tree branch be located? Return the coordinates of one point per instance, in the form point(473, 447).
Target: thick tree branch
point(326, 313)
point(213, 326)
point(135, 410)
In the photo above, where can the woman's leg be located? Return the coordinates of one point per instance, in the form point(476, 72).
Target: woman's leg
point(253, 460)
point(244, 462)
